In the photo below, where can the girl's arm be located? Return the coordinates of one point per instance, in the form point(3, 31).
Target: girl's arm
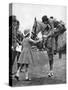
point(34, 40)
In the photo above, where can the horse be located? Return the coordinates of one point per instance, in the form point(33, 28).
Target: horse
point(45, 29)
point(35, 32)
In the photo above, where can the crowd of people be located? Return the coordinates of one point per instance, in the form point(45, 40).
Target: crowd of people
point(16, 38)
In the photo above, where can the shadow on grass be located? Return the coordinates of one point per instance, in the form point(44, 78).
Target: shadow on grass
point(38, 81)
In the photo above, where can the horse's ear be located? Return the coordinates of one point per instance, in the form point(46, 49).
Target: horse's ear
point(35, 19)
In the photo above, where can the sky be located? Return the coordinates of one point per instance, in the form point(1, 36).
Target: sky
point(26, 13)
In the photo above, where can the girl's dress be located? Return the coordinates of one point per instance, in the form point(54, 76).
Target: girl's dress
point(26, 54)
point(32, 57)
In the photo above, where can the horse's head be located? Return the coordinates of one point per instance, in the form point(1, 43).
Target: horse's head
point(34, 31)
point(37, 27)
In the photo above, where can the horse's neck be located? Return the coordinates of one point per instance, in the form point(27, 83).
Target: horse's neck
point(41, 27)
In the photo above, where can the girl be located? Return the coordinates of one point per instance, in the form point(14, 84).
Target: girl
point(26, 57)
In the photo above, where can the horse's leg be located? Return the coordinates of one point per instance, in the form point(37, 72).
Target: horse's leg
point(51, 62)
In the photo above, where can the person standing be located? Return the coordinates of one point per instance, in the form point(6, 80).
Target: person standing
point(26, 58)
point(48, 35)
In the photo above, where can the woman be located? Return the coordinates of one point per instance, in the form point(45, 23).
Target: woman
point(26, 58)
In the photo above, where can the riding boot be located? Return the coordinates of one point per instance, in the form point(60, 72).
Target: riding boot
point(51, 64)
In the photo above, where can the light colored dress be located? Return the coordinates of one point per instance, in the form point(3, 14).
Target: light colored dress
point(32, 57)
point(26, 54)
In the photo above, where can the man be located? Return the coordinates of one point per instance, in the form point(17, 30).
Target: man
point(49, 41)
point(54, 23)
point(48, 27)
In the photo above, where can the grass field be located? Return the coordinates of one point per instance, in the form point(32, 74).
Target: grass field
point(39, 74)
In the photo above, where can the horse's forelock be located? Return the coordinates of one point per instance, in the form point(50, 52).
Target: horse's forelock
point(40, 26)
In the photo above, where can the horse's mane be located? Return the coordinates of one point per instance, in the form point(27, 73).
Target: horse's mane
point(41, 24)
